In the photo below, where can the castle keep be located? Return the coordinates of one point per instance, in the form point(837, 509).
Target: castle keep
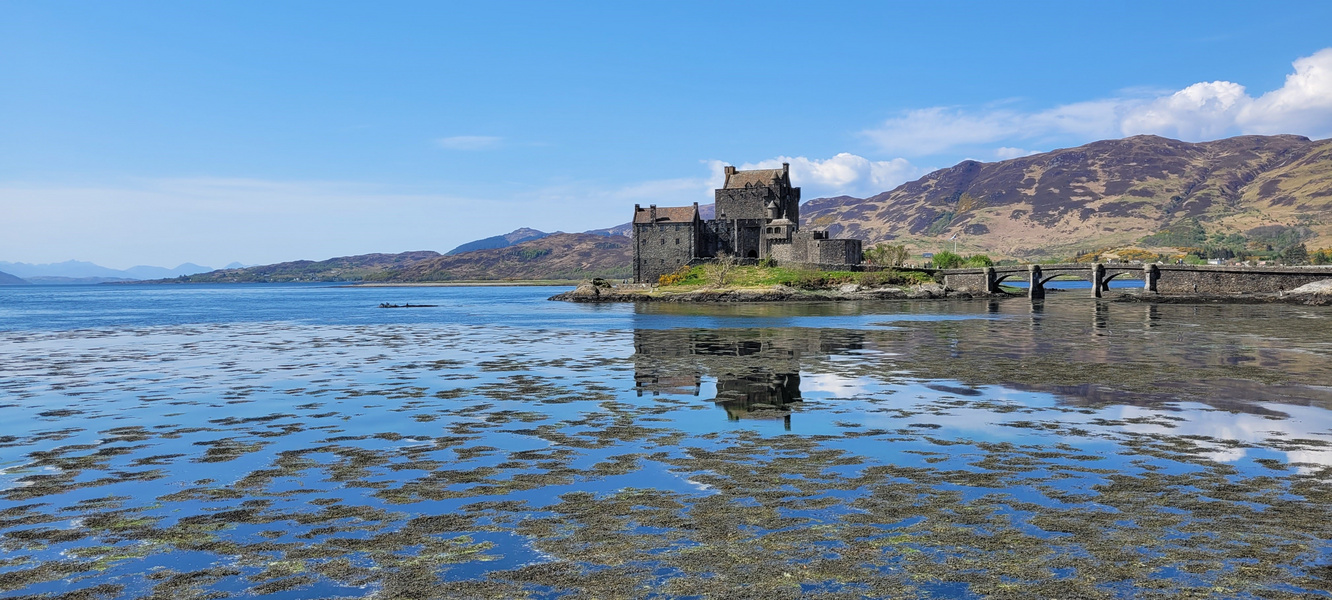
point(757, 217)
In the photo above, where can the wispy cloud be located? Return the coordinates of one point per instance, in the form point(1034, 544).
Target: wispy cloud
point(470, 142)
point(1202, 111)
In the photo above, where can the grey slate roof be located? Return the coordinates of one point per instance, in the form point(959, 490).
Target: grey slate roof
point(667, 214)
point(756, 177)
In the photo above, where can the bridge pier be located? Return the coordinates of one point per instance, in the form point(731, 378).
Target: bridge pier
point(1037, 289)
point(991, 286)
point(1098, 280)
point(1150, 274)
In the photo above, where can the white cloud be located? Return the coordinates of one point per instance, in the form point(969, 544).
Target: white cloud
point(470, 142)
point(1202, 111)
point(844, 173)
point(1198, 112)
point(1302, 105)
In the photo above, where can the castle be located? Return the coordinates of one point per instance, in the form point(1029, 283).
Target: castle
point(757, 217)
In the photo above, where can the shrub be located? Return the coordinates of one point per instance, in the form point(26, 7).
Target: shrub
point(979, 260)
point(947, 260)
point(675, 278)
point(886, 255)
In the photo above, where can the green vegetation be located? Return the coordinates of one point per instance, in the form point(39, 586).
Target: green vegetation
point(1180, 234)
point(951, 260)
point(806, 279)
point(887, 255)
point(1196, 246)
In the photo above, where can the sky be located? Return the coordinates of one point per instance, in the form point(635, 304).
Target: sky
point(160, 133)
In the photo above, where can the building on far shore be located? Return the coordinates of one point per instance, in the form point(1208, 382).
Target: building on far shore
point(757, 217)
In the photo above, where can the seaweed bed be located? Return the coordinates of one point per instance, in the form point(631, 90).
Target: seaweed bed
point(982, 449)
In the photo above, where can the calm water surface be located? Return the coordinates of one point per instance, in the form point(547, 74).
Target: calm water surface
point(298, 442)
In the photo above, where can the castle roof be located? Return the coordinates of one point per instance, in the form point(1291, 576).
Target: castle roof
point(666, 214)
point(740, 179)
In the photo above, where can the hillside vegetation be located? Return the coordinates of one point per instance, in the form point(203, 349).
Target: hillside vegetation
point(1262, 193)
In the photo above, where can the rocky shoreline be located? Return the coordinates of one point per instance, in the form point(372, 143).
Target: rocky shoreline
point(588, 292)
point(1314, 294)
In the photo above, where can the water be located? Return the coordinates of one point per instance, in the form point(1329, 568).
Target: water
point(296, 441)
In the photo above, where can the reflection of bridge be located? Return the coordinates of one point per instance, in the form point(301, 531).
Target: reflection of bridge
point(1165, 279)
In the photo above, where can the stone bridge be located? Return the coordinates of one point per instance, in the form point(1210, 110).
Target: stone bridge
point(1165, 279)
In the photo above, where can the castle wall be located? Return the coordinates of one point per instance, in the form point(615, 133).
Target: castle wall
point(742, 203)
point(807, 249)
point(662, 248)
point(835, 251)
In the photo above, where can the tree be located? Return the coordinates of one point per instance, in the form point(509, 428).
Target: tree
point(885, 255)
point(1296, 255)
point(719, 270)
point(945, 259)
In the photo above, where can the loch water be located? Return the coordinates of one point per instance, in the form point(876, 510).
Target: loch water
point(297, 441)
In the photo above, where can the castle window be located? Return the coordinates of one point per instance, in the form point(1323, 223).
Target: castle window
point(677, 241)
point(663, 241)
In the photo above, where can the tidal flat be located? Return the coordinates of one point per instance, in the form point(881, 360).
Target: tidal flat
point(295, 442)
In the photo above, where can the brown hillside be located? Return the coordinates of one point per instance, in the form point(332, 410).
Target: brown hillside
point(557, 256)
point(1103, 194)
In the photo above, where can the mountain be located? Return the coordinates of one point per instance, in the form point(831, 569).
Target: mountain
point(342, 268)
point(51, 280)
point(1148, 191)
point(146, 272)
point(7, 279)
point(74, 271)
point(516, 236)
point(552, 256)
point(556, 256)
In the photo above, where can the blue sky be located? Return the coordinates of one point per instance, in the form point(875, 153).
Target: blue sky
point(165, 132)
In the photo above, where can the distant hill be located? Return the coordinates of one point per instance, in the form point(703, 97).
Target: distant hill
point(342, 268)
point(7, 279)
point(75, 271)
point(553, 256)
point(1148, 191)
point(44, 280)
point(516, 236)
point(556, 256)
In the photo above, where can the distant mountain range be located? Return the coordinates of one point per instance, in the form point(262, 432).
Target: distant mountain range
point(74, 271)
point(551, 256)
point(7, 279)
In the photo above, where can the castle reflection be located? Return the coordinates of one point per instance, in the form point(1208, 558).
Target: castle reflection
point(757, 371)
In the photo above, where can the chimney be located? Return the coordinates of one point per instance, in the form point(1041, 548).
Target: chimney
point(653, 208)
point(729, 170)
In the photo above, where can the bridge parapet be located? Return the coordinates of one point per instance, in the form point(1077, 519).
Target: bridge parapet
point(1166, 279)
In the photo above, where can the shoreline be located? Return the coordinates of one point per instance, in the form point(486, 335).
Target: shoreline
point(482, 283)
point(588, 293)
